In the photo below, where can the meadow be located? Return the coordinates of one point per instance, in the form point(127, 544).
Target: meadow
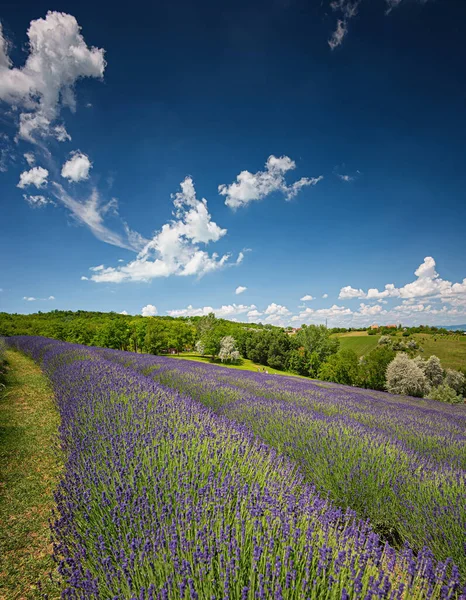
point(188, 480)
point(451, 349)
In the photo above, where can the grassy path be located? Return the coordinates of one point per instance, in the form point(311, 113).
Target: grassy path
point(29, 469)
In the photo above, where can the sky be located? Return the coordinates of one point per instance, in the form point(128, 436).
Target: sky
point(283, 162)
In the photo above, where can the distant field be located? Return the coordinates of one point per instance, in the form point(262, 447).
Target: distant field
point(450, 349)
point(358, 341)
point(246, 364)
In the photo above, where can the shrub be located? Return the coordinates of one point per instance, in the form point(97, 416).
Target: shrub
point(200, 348)
point(412, 345)
point(404, 376)
point(384, 340)
point(456, 380)
point(444, 393)
point(433, 371)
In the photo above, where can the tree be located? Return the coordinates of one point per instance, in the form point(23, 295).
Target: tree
point(342, 367)
point(456, 380)
point(228, 352)
point(405, 377)
point(433, 370)
point(156, 338)
point(373, 368)
point(317, 341)
point(298, 361)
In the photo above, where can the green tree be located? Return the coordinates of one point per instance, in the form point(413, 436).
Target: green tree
point(373, 368)
point(317, 341)
point(342, 367)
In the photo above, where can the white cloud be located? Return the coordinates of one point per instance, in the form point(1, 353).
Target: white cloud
point(84, 278)
point(350, 292)
point(77, 167)
point(30, 158)
point(36, 201)
point(324, 296)
point(346, 178)
point(32, 299)
point(368, 310)
point(276, 309)
point(149, 310)
point(307, 298)
point(124, 312)
point(36, 176)
point(254, 314)
point(256, 186)
point(91, 212)
point(96, 269)
point(240, 289)
point(58, 57)
point(224, 312)
point(175, 249)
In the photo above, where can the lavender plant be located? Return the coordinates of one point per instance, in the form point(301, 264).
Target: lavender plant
point(163, 498)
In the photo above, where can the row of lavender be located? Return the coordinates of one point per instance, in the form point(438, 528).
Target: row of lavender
point(399, 462)
point(163, 498)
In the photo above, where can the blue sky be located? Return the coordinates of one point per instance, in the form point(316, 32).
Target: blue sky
point(327, 139)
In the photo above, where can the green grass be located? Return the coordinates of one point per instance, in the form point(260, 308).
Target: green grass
point(29, 469)
point(245, 365)
point(451, 349)
point(361, 344)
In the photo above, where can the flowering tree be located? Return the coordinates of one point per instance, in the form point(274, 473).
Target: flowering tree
point(405, 376)
point(228, 351)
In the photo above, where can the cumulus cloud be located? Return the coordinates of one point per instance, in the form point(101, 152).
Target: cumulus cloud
point(175, 249)
point(366, 309)
point(227, 311)
point(77, 167)
point(307, 298)
point(350, 292)
point(254, 314)
point(240, 289)
point(324, 296)
point(149, 310)
point(36, 176)
point(58, 58)
point(256, 186)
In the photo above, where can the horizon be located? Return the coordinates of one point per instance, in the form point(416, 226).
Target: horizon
point(277, 163)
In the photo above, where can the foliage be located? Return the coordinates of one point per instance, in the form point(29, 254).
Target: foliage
point(444, 393)
point(373, 368)
point(384, 340)
point(317, 341)
point(228, 352)
point(342, 367)
point(433, 371)
point(456, 380)
point(404, 376)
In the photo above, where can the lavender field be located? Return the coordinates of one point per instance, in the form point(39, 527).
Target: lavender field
point(185, 480)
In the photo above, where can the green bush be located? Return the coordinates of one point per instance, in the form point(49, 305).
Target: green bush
point(444, 393)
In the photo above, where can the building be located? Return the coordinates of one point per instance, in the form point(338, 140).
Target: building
point(375, 326)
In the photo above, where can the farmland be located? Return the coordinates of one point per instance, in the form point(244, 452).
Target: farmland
point(451, 349)
point(188, 480)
